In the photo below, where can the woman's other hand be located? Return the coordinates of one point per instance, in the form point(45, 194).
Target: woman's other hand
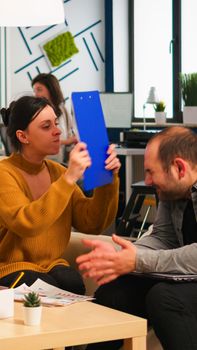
point(112, 162)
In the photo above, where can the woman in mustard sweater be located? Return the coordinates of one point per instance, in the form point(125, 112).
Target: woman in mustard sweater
point(40, 200)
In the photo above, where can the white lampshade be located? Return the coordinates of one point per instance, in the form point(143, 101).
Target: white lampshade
point(21, 13)
point(152, 96)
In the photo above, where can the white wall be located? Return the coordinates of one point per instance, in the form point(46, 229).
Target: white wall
point(84, 71)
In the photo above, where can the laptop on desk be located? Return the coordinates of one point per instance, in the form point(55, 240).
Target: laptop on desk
point(167, 276)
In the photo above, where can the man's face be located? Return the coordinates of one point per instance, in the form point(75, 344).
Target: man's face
point(167, 183)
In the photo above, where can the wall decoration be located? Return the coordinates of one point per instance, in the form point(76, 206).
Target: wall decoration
point(83, 71)
point(59, 48)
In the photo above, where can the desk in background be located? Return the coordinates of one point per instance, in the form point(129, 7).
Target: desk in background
point(129, 153)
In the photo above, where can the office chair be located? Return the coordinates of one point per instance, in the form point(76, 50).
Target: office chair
point(141, 195)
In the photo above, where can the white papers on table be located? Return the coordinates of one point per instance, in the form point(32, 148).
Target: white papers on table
point(49, 294)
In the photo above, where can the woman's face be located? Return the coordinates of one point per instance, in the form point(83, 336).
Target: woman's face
point(40, 90)
point(42, 136)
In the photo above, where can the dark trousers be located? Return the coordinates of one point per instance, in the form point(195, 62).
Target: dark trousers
point(170, 307)
point(64, 277)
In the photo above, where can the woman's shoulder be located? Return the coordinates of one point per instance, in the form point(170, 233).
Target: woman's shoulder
point(8, 163)
point(7, 167)
point(3, 158)
point(5, 161)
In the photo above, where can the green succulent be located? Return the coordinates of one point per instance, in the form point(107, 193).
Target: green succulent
point(159, 106)
point(32, 299)
point(189, 88)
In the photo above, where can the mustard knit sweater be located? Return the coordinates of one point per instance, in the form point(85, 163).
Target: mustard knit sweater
point(35, 233)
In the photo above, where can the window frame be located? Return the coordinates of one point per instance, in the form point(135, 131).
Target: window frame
point(176, 56)
point(176, 60)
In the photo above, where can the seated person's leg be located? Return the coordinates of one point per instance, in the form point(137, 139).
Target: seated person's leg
point(28, 278)
point(172, 310)
point(127, 294)
point(68, 279)
point(60, 276)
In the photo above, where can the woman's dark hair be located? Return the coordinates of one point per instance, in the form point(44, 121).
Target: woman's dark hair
point(53, 86)
point(20, 114)
point(5, 112)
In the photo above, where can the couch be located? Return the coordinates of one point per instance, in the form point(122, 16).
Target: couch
point(76, 248)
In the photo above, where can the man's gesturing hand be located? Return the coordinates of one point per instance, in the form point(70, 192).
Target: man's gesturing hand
point(104, 263)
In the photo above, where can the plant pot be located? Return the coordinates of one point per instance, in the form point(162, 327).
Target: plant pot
point(32, 315)
point(190, 115)
point(160, 117)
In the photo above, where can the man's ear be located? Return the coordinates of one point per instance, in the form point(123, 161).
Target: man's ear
point(21, 136)
point(180, 166)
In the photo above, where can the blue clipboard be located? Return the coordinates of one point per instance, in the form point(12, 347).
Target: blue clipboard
point(92, 130)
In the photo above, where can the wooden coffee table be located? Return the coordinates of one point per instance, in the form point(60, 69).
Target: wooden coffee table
point(76, 324)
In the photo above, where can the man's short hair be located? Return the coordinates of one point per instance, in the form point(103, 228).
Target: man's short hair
point(176, 141)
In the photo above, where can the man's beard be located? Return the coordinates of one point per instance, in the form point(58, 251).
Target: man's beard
point(173, 194)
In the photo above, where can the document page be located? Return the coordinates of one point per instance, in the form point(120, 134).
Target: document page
point(49, 294)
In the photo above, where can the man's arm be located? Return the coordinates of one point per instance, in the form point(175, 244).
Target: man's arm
point(158, 252)
point(104, 263)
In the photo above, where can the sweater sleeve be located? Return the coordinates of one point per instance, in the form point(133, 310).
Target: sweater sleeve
point(25, 217)
point(93, 215)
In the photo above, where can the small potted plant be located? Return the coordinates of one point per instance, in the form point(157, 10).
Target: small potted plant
point(32, 309)
point(188, 83)
point(160, 114)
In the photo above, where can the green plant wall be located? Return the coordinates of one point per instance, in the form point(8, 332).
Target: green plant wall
point(60, 48)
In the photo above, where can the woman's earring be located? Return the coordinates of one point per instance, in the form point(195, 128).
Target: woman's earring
point(27, 142)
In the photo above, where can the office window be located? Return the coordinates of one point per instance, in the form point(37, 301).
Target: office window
point(152, 56)
point(120, 45)
point(189, 29)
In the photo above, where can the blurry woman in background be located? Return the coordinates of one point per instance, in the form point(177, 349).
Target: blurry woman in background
point(47, 85)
